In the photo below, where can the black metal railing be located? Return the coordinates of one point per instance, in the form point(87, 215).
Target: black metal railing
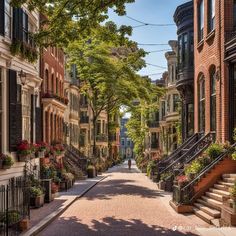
point(51, 94)
point(84, 119)
point(162, 164)
point(14, 205)
point(186, 195)
point(191, 154)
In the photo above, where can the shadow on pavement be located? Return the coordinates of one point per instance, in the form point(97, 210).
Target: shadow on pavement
point(111, 188)
point(109, 226)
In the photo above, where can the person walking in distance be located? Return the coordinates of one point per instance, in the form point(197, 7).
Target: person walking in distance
point(129, 163)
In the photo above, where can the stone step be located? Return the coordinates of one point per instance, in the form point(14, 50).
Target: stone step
point(220, 192)
point(210, 202)
point(221, 187)
point(226, 183)
point(208, 210)
point(204, 216)
point(229, 180)
point(229, 176)
point(214, 196)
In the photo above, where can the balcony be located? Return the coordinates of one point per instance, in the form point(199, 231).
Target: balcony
point(52, 95)
point(153, 124)
point(101, 138)
point(84, 120)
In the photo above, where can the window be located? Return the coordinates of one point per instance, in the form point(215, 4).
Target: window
point(211, 15)
point(46, 85)
point(191, 54)
point(185, 49)
point(52, 84)
point(122, 142)
point(200, 20)
point(8, 19)
point(180, 52)
point(163, 109)
point(26, 105)
point(190, 120)
point(175, 102)
point(1, 138)
point(234, 13)
point(25, 27)
point(201, 104)
point(213, 100)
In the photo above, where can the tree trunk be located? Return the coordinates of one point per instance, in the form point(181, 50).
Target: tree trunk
point(94, 137)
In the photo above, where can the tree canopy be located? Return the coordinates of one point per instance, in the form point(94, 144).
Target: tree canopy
point(70, 19)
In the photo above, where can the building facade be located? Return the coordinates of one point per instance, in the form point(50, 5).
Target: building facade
point(126, 144)
point(183, 18)
point(211, 81)
point(20, 113)
point(171, 119)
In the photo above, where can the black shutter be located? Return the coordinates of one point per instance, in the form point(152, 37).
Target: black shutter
point(17, 24)
point(15, 111)
point(38, 124)
point(2, 18)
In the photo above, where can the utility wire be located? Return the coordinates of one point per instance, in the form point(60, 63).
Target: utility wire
point(153, 44)
point(162, 50)
point(153, 74)
point(161, 67)
point(149, 24)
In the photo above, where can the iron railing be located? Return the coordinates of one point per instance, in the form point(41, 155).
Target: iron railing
point(185, 194)
point(51, 94)
point(14, 205)
point(191, 154)
point(166, 161)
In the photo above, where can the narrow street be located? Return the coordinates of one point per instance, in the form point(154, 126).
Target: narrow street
point(125, 203)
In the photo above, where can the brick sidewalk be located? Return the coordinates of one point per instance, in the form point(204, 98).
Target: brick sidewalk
point(126, 203)
point(40, 217)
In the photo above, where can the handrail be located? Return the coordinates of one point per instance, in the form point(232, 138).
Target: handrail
point(179, 149)
point(188, 152)
point(207, 168)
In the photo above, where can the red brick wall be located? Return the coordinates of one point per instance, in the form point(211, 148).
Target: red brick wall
point(211, 52)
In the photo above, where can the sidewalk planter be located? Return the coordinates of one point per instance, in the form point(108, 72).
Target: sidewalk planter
point(36, 196)
point(37, 201)
point(6, 162)
point(47, 185)
point(91, 172)
point(168, 185)
point(24, 225)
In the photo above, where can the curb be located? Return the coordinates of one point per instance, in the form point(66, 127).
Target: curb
point(46, 221)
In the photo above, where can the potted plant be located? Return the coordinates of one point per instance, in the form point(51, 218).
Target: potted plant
point(54, 190)
point(232, 191)
point(41, 149)
point(12, 218)
point(7, 162)
point(24, 150)
point(91, 171)
point(214, 150)
point(36, 196)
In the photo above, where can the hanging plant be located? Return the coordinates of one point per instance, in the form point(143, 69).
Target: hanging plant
point(24, 50)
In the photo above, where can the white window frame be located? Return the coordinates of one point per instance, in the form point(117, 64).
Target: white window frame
point(8, 15)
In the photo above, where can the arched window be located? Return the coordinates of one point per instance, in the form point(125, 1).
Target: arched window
point(201, 104)
point(213, 99)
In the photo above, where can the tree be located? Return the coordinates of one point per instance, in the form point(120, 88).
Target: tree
point(107, 63)
point(68, 20)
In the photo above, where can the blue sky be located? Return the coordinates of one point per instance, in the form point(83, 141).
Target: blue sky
point(151, 11)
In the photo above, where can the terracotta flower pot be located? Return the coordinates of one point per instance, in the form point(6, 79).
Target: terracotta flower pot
point(37, 201)
point(5, 167)
point(24, 158)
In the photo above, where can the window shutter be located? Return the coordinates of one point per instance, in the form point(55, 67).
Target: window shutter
point(2, 18)
point(17, 24)
point(15, 111)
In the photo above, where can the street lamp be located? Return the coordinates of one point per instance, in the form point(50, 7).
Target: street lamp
point(23, 78)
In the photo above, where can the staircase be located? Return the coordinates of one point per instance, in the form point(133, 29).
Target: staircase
point(76, 163)
point(181, 150)
point(177, 165)
point(208, 206)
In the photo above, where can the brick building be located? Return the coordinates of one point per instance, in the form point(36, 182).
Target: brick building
point(54, 101)
point(211, 80)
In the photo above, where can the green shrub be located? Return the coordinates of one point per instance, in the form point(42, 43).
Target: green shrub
point(214, 150)
point(35, 191)
point(166, 176)
point(151, 165)
point(194, 167)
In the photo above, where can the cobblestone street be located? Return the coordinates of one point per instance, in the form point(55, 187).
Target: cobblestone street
point(125, 203)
